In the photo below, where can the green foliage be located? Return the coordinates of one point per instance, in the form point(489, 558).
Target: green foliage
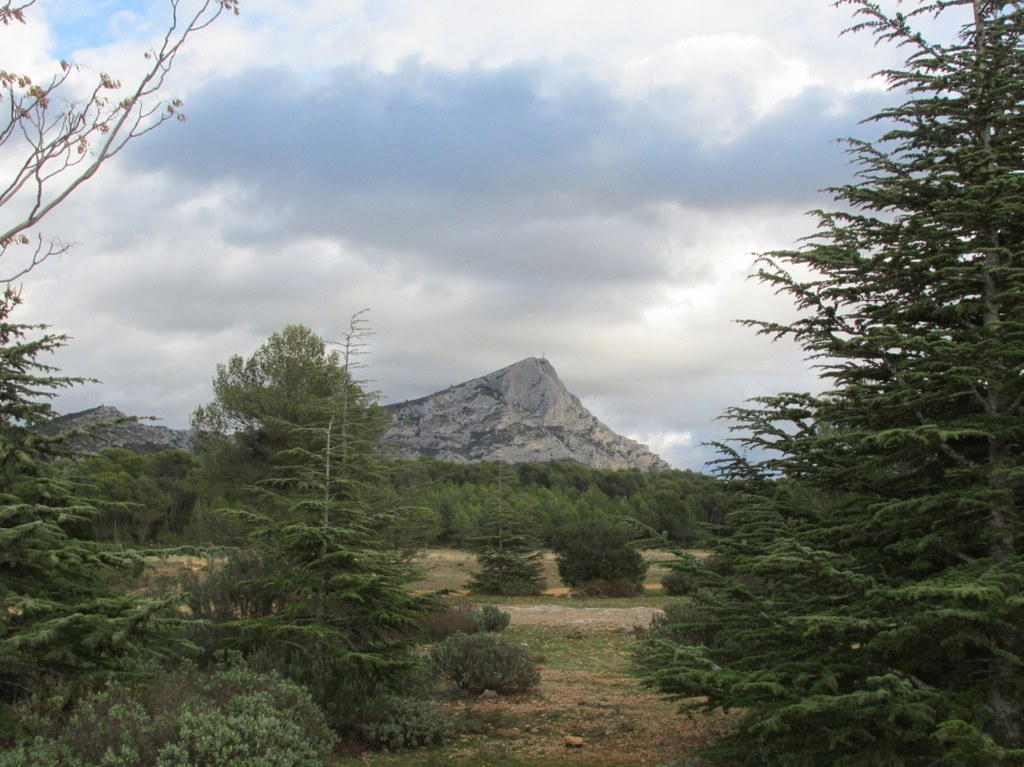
point(61, 592)
point(507, 552)
point(448, 618)
point(397, 723)
point(866, 605)
point(491, 618)
point(138, 498)
point(681, 505)
point(597, 557)
point(230, 717)
point(676, 583)
point(259, 404)
point(478, 662)
point(325, 601)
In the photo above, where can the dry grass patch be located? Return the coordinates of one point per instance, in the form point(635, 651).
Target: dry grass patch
point(588, 690)
point(451, 569)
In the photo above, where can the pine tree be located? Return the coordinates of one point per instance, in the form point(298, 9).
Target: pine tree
point(508, 550)
point(342, 617)
point(63, 613)
point(868, 607)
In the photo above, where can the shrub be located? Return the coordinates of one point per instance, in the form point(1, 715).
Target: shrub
point(491, 618)
point(398, 723)
point(478, 662)
point(461, 617)
point(449, 619)
point(682, 623)
point(601, 551)
point(601, 587)
point(228, 718)
point(677, 583)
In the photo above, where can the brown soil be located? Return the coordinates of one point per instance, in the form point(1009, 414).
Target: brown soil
point(588, 690)
point(593, 617)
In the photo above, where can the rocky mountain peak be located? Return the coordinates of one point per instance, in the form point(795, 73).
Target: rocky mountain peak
point(521, 413)
point(138, 436)
point(531, 385)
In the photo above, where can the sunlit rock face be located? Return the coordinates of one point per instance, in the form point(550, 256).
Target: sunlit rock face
point(519, 414)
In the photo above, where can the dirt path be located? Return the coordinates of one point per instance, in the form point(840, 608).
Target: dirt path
point(589, 692)
point(559, 615)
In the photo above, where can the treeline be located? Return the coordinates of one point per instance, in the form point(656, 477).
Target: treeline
point(173, 498)
point(679, 505)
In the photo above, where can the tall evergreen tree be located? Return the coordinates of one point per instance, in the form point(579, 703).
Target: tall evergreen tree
point(341, 616)
point(64, 607)
point(508, 550)
point(869, 605)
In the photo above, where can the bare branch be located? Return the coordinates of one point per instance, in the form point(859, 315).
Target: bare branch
point(63, 142)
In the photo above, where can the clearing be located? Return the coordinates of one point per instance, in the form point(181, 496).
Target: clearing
point(587, 690)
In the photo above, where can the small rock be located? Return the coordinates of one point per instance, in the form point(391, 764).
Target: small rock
point(488, 694)
point(572, 741)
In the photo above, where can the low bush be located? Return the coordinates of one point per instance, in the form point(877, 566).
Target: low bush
point(462, 617)
point(491, 618)
point(677, 583)
point(232, 717)
point(398, 723)
point(478, 662)
point(679, 623)
point(456, 617)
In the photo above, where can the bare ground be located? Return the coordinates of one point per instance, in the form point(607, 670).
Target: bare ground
point(588, 690)
point(594, 617)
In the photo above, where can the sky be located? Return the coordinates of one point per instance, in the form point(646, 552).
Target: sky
point(492, 180)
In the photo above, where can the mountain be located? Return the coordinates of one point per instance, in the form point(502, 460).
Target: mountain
point(519, 414)
point(131, 435)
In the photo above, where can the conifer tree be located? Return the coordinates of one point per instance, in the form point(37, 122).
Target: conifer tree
point(868, 605)
point(342, 616)
point(63, 612)
point(508, 551)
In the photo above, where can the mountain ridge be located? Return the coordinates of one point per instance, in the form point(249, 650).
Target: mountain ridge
point(522, 413)
point(109, 427)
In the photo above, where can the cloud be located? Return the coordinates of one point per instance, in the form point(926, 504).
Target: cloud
point(500, 198)
point(498, 133)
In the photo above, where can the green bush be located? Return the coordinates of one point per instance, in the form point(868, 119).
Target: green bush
point(478, 662)
point(228, 718)
point(677, 583)
point(599, 552)
point(602, 587)
point(450, 618)
point(679, 623)
point(398, 723)
point(491, 618)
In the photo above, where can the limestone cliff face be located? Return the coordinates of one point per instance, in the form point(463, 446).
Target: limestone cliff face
point(519, 414)
point(137, 436)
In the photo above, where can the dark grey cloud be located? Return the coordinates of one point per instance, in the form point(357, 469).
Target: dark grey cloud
point(504, 141)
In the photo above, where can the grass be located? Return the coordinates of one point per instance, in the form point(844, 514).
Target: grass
point(451, 569)
point(588, 686)
point(588, 690)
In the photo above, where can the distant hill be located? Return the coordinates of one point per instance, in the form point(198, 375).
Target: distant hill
point(138, 436)
point(520, 414)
